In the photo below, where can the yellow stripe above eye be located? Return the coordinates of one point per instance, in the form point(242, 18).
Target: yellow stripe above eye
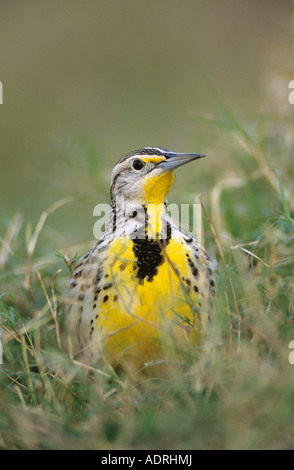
point(152, 159)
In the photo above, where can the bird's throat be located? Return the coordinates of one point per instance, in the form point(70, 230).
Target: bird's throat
point(156, 188)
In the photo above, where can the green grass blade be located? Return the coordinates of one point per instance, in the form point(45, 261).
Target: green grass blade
point(284, 202)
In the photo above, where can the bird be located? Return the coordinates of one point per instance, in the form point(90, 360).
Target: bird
point(141, 295)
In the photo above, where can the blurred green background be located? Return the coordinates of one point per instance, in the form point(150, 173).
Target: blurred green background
point(86, 82)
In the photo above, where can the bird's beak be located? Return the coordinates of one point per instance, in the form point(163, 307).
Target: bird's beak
point(174, 160)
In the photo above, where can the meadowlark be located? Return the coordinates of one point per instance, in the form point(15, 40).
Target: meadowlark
point(145, 284)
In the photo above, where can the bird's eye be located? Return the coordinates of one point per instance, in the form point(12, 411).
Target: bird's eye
point(138, 164)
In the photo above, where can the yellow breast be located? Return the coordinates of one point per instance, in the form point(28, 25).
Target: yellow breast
point(140, 319)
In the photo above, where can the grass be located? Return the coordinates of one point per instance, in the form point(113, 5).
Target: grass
point(237, 390)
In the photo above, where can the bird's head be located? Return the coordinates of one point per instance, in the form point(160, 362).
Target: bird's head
point(145, 176)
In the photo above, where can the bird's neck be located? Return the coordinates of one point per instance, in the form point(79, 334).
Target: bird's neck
point(129, 218)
